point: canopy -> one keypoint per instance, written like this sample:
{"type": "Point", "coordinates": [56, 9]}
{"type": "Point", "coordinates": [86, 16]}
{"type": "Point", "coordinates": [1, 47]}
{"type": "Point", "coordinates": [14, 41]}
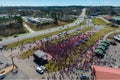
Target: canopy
{"type": "Point", "coordinates": [103, 44]}
{"type": "Point", "coordinates": [99, 51]}
{"type": "Point", "coordinates": [105, 41]}
{"type": "Point", "coordinates": [101, 47]}
{"type": "Point", "coordinates": [105, 73]}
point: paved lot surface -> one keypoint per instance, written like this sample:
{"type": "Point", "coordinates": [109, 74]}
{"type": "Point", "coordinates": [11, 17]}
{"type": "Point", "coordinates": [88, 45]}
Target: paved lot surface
{"type": "Point", "coordinates": [19, 76]}
{"type": "Point", "coordinates": [112, 57]}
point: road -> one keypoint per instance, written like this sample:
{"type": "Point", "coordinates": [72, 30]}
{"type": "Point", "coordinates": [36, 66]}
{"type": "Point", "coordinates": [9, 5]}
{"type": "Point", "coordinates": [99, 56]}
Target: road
{"type": "Point", "coordinates": [28, 28]}
{"type": "Point", "coordinates": [47, 31]}
{"type": "Point", "coordinates": [105, 37]}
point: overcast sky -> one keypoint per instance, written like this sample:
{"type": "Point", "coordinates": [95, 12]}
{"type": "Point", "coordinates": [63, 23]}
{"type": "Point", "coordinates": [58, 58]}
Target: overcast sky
{"type": "Point", "coordinates": [59, 2]}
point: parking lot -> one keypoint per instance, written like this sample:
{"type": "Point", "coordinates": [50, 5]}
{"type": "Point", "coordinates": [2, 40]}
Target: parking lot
{"type": "Point", "coordinates": [11, 76]}
{"type": "Point", "coordinates": [113, 56]}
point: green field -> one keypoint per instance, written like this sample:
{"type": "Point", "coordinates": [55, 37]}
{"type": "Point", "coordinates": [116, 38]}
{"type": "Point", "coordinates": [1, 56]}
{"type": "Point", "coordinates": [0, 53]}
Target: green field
{"type": "Point", "coordinates": [98, 21]}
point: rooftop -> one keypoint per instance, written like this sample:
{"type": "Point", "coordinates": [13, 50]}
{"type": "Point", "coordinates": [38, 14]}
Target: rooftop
{"type": "Point", "coordinates": [106, 73]}
{"type": "Point", "coordinates": [116, 18]}
{"type": "Point", "coordinates": [40, 53]}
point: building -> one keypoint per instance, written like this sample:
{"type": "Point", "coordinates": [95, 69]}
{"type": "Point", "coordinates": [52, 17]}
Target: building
{"type": "Point", "coordinates": [41, 57]}
{"type": "Point", "coordinates": [105, 73]}
{"type": "Point", "coordinates": [116, 19]}
{"type": "Point", "coordinates": [38, 20]}
{"type": "Point", "coordinates": [68, 17]}
{"type": "Point", "coordinates": [108, 17]}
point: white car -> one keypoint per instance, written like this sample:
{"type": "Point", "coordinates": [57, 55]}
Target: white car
{"type": "Point", "coordinates": [40, 69]}
{"type": "Point", "coordinates": [117, 37]}
{"type": "Point", "coordinates": [43, 67]}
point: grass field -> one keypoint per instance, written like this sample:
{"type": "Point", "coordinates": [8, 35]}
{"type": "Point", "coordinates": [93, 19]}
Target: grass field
{"type": "Point", "coordinates": [83, 23]}
{"type": "Point", "coordinates": [99, 21]}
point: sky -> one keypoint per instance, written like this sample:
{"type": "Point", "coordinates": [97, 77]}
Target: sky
{"type": "Point", "coordinates": [59, 2]}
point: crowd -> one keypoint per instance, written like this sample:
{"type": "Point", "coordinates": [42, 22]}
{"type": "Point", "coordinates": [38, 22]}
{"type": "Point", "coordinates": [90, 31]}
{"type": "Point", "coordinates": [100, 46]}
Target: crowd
{"type": "Point", "coordinates": [64, 46]}
{"type": "Point", "coordinates": [63, 49]}
{"type": "Point", "coordinates": [80, 66]}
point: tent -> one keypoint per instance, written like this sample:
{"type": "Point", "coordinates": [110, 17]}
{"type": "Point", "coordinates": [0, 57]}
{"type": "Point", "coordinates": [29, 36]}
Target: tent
{"type": "Point", "coordinates": [98, 51]}
{"type": "Point", "coordinates": [101, 47]}
{"type": "Point", "coordinates": [105, 41]}
{"type": "Point", "coordinates": [105, 73]}
{"type": "Point", "coordinates": [103, 44]}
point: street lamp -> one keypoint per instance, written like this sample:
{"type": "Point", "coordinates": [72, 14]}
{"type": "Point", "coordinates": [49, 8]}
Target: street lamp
{"type": "Point", "coordinates": [12, 61]}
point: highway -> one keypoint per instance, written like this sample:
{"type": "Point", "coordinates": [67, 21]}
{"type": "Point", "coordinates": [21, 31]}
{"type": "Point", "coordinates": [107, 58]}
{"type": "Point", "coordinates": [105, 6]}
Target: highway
{"type": "Point", "coordinates": [9, 40]}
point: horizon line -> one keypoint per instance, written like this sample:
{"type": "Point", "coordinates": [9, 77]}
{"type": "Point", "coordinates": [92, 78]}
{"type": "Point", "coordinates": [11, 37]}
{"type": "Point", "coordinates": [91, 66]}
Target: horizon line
{"type": "Point", "coordinates": [63, 6]}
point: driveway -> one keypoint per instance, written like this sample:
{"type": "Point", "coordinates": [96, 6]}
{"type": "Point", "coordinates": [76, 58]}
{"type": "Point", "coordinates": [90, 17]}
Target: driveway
{"type": "Point", "coordinates": [28, 28]}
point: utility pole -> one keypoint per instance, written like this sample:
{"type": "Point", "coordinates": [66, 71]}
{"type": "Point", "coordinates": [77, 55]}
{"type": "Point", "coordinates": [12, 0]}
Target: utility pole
{"type": "Point", "coordinates": [12, 59]}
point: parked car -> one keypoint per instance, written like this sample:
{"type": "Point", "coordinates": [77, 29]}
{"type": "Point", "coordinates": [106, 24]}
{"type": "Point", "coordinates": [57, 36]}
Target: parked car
{"type": "Point", "coordinates": [117, 38]}
{"type": "Point", "coordinates": [40, 69]}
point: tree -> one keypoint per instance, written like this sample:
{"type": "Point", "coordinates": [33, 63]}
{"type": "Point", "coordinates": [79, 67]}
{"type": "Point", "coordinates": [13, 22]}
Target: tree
{"type": "Point", "coordinates": [53, 15]}
{"type": "Point", "coordinates": [113, 13]}
{"type": "Point", "coordinates": [19, 19]}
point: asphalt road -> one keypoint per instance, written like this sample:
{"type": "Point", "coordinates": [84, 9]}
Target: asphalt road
{"type": "Point", "coordinates": [9, 40]}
